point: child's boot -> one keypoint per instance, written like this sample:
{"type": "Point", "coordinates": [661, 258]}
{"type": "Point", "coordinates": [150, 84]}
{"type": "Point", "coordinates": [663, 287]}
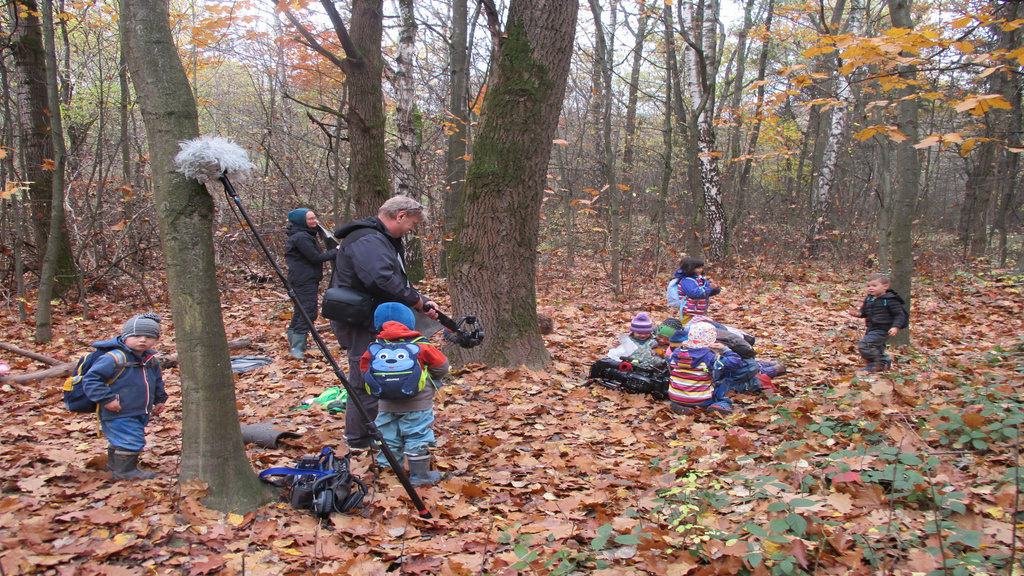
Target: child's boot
{"type": "Point", "coordinates": [420, 473]}
{"type": "Point", "coordinates": [780, 368]}
{"type": "Point", "coordinates": [296, 345]}
{"type": "Point", "coordinates": [110, 459]}
{"type": "Point", "coordinates": [126, 466]}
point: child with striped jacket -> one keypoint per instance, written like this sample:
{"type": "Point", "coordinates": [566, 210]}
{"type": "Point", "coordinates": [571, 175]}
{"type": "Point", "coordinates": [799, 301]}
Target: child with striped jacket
{"type": "Point", "coordinates": [692, 366]}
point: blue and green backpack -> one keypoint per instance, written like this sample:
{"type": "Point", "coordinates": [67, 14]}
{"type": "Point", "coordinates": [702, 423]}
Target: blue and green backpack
{"type": "Point", "coordinates": [396, 372]}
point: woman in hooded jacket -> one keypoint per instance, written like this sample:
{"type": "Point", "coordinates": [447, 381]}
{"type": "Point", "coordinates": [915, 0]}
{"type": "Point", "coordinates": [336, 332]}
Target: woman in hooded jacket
{"type": "Point", "coordinates": [305, 259]}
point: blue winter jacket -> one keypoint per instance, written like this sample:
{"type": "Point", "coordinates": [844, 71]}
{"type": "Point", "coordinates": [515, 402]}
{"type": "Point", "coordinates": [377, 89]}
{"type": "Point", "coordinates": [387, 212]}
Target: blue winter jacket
{"type": "Point", "coordinates": [139, 387]}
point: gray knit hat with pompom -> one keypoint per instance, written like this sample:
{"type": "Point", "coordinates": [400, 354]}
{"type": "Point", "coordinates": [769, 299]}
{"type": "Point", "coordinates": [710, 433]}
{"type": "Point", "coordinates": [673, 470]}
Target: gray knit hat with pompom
{"type": "Point", "coordinates": [147, 324]}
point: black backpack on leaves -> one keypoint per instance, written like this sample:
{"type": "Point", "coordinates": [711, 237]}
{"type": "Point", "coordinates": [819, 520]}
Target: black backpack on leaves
{"type": "Point", "coordinates": [321, 484]}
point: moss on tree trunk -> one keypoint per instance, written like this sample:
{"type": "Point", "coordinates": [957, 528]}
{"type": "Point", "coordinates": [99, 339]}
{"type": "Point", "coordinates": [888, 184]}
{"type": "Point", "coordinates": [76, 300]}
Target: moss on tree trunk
{"type": "Point", "coordinates": [493, 255]}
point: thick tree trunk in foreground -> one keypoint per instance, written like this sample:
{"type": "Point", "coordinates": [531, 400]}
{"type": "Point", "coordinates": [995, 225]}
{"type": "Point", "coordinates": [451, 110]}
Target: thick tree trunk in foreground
{"type": "Point", "coordinates": [212, 448]}
{"type": "Point", "coordinates": [493, 255]}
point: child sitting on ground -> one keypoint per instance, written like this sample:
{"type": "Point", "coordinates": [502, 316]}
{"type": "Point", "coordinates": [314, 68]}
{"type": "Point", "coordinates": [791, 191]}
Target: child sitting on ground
{"type": "Point", "coordinates": [663, 347]}
{"type": "Point", "coordinates": [689, 291]}
{"type": "Point", "coordinates": [406, 424]}
{"type": "Point", "coordinates": [754, 375]}
{"type": "Point", "coordinates": [127, 385]}
{"type": "Point", "coordinates": [883, 313]}
{"type": "Point", "coordinates": [692, 383]}
{"type": "Point", "coordinates": [637, 347]}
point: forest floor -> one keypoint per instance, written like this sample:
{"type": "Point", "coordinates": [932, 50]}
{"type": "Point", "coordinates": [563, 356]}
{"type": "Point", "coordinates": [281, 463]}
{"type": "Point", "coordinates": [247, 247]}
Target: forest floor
{"type": "Point", "coordinates": [906, 472]}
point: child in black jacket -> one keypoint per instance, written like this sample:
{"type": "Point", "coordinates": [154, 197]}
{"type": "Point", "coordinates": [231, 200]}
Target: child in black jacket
{"type": "Point", "coordinates": [884, 313]}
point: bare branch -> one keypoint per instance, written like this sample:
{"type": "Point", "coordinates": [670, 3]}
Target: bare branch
{"type": "Point", "coordinates": [339, 28]}
{"type": "Point", "coordinates": [311, 40]}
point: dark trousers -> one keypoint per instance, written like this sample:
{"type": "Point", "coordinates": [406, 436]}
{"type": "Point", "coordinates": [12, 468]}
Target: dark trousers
{"type": "Point", "coordinates": [356, 340]}
{"type": "Point", "coordinates": [872, 346]}
{"type": "Point", "coordinates": [308, 295]}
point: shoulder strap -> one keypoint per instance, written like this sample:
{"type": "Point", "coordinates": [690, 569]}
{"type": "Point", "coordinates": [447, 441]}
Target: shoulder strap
{"type": "Point", "coordinates": [123, 364]}
{"type": "Point", "coordinates": [357, 235]}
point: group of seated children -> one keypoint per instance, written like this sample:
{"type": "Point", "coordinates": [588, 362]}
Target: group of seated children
{"type": "Point", "coordinates": [705, 360]}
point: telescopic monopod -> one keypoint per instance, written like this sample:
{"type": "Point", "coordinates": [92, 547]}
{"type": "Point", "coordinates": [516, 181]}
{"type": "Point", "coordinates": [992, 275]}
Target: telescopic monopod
{"type": "Point", "coordinates": [208, 159]}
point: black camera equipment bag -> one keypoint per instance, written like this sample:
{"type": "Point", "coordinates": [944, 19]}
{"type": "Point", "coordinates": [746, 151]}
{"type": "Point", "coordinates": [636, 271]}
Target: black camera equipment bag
{"type": "Point", "coordinates": [348, 306]}
{"type": "Point", "coordinates": [616, 375]}
{"type": "Point", "coordinates": [321, 484]}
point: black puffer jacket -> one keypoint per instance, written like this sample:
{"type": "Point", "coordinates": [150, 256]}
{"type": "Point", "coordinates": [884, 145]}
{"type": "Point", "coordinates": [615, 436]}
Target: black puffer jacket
{"type": "Point", "coordinates": [304, 257]}
{"type": "Point", "coordinates": [372, 261]}
{"type": "Point", "coordinates": [883, 312]}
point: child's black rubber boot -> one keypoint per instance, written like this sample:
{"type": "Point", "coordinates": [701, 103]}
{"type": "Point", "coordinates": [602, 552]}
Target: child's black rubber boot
{"type": "Point", "coordinates": [126, 466]}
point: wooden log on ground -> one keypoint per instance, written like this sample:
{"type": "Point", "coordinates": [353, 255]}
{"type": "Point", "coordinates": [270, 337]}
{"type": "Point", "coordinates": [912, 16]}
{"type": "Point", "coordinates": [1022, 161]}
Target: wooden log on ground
{"type": "Point", "coordinates": [64, 369]}
{"type": "Point", "coordinates": [29, 354]}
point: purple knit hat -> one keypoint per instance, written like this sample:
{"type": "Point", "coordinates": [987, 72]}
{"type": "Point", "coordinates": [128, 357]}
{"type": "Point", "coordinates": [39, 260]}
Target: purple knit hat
{"type": "Point", "coordinates": [641, 324]}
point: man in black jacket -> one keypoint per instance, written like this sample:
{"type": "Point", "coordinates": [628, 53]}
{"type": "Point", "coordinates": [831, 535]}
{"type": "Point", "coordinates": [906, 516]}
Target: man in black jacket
{"type": "Point", "coordinates": [371, 259]}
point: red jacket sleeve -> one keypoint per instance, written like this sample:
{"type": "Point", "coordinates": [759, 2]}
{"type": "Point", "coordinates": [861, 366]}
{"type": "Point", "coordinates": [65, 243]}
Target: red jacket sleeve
{"type": "Point", "coordinates": [431, 357]}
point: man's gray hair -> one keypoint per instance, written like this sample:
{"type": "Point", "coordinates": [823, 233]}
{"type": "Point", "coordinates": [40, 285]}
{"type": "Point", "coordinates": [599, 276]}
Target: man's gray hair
{"type": "Point", "coordinates": [396, 204]}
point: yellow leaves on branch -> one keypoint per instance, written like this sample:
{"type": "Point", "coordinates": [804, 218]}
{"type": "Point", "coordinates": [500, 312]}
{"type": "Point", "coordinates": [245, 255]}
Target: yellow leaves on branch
{"type": "Point", "coordinates": [943, 139]}
{"type": "Point", "coordinates": [12, 188]}
{"type": "Point", "coordinates": [979, 104]}
{"type": "Point", "coordinates": [892, 132]}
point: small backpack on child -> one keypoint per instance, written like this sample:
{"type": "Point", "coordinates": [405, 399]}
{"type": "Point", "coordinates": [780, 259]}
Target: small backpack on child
{"type": "Point", "coordinates": [396, 372]}
{"type": "Point", "coordinates": [74, 393]}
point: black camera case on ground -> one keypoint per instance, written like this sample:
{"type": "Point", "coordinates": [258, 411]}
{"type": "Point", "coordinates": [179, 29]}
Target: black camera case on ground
{"type": "Point", "coordinates": [623, 376]}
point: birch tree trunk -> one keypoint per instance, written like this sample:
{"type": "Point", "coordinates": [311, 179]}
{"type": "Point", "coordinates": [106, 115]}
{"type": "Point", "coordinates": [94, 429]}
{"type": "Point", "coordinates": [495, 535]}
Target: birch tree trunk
{"type": "Point", "coordinates": [698, 27]}
{"type": "Point", "coordinates": [822, 191]}
{"type": "Point", "coordinates": [406, 175]}
{"type": "Point", "coordinates": [211, 445]}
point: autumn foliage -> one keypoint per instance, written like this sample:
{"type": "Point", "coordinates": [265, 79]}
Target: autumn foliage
{"type": "Point", "coordinates": [842, 473]}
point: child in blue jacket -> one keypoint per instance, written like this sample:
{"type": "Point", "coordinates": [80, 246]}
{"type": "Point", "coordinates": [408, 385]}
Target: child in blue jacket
{"type": "Point", "coordinates": [689, 290]}
{"type": "Point", "coordinates": [128, 387]}
{"type": "Point", "coordinates": [692, 368]}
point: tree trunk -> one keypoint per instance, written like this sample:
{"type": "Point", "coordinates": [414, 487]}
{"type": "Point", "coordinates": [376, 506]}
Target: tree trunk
{"type": "Point", "coordinates": [494, 250]}
{"type": "Point", "coordinates": [900, 241]}
{"type": "Point", "coordinates": [49, 268]}
{"type": "Point", "coordinates": [603, 56]}
{"type": "Point", "coordinates": [407, 153]}
{"type": "Point", "coordinates": [698, 27]}
{"type": "Point", "coordinates": [755, 133]}
{"type": "Point", "coordinates": [212, 448]}
{"type": "Point", "coordinates": [36, 144]}
{"type": "Point", "coordinates": [629, 140]}
{"type": "Point", "coordinates": [667, 135]}
{"type": "Point", "coordinates": [368, 169]}
{"type": "Point", "coordinates": [458, 130]}
{"type": "Point", "coordinates": [1009, 125]}
{"type": "Point", "coordinates": [822, 192]}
